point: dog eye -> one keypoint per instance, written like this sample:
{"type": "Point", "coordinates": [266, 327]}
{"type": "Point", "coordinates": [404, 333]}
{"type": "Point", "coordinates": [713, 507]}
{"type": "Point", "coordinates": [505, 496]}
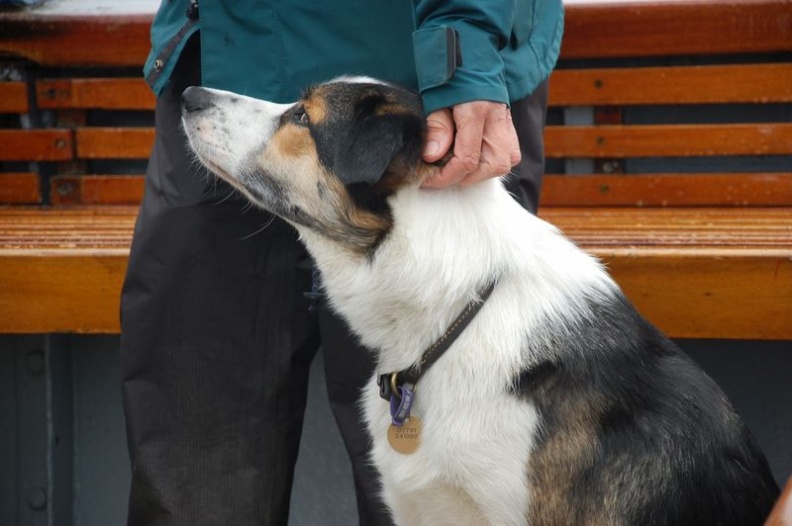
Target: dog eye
{"type": "Point", "coordinates": [300, 117]}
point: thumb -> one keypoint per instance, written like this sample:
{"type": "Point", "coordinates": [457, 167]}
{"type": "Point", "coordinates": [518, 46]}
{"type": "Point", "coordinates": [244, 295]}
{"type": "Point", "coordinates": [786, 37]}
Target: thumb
{"type": "Point", "coordinates": [439, 134]}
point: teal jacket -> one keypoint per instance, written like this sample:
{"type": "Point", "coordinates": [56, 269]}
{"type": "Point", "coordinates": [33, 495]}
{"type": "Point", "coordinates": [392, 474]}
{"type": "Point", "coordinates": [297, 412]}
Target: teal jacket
{"type": "Point", "coordinates": [453, 51]}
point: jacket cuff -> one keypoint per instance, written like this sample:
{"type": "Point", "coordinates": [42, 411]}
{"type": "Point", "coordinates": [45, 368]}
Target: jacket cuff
{"type": "Point", "coordinates": [458, 64]}
{"type": "Point", "coordinates": [437, 55]}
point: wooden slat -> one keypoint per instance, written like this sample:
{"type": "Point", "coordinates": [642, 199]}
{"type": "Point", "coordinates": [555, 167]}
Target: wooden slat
{"type": "Point", "coordinates": [688, 140]}
{"type": "Point", "coordinates": [62, 271]}
{"type": "Point", "coordinates": [560, 141]}
{"type": "Point", "coordinates": [110, 93]}
{"type": "Point", "coordinates": [737, 189]}
{"type": "Point", "coordinates": [607, 28]}
{"type": "Point", "coordinates": [35, 145]}
{"type": "Point", "coordinates": [96, 189]}
{"type": "Point", "coordinates": [85, 231]}
{"type": "Point", "coordinates": [680, 231]}
{"type": "Point", "coordinates": [635, 28]}
{"type": "Point", "coordinates": [696, 273]}
{"type": "Point", "coordinates": [20, 188]}
{"type": "Point", "coordinates": [70, 293]}
{"type": "Point", "coordinates": [696, 189]}
{"type": "Point", "coordinates": [708, 296]}
{"type": "Point", "coordinates": [750, 83]}
{"type": "Point", "coordinates": [13, 97]}
{"type": "Point", "coordinates": [114, 143]}
{"type": "Point", "coordinates": [67, 40]}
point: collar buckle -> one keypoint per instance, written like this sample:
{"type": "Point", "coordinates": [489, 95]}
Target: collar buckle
{"type": "Point", "coordinates": [389, 386]}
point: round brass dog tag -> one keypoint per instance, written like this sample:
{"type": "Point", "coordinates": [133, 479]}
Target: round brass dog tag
{"type": "Point", "coordinates": [407, 438]}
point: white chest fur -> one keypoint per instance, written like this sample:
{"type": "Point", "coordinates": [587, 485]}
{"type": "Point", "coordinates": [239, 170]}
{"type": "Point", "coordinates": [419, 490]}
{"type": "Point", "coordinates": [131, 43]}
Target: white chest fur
{"type": "Point", "coordinates": [476, 442]}
{"type": "Point", "coordinates": [471, 466]}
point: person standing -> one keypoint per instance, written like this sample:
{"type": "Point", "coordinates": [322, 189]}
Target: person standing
{"type": "Point", "coordinates": [217, 333]}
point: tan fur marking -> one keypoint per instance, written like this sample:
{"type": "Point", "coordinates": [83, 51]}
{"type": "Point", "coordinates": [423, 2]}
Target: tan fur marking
{"type": "Point", "coordinates": [321, 196]}
{"type": "Point", "coordinates": [360, 220]}
{"type": "Point", "coordinates": [556, 466]}
{"type": "Point", "coordinates": [292, 140]}
{"type": "Point", "coordinates": [424, 171]}
{"type": "Point", "coordinates": [392, 108]}
{"type": "Point", "coordinates": [316, 107]}
{"type": "Point", "coordinates": [398, 175]}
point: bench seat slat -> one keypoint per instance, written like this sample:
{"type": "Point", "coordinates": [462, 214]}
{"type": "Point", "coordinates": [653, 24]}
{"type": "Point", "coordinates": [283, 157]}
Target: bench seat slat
{"type": "Point", "coordinates": [765, 228]}
{"type": "Point", "coordinates": [71, 285]}
{"type": "Point", "coordinates": [707, 295]}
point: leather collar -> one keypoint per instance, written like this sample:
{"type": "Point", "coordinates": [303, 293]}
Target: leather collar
{"type": "Point", "coordinates": [390, 382]}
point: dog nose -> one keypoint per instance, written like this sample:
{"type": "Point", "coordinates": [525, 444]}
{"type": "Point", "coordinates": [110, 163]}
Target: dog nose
{"type": "Point", "coordinates": [195, 98]}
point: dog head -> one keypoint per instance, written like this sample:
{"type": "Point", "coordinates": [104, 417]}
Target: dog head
{"type": "Point", "coordinates": [327, 162]}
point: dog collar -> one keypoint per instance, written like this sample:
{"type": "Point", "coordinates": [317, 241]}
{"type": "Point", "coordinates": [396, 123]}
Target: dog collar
{"type": "Point", "coordinates": [392, 385]}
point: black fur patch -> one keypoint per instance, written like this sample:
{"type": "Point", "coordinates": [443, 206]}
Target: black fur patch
{"type": "Point", "coordinates": [368, 127]}
{"type": "Point", "coordinates": [666, 447]}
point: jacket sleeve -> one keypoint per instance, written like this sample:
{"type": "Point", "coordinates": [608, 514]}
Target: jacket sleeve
{"type": "Point", "coordinates": [457, 47]}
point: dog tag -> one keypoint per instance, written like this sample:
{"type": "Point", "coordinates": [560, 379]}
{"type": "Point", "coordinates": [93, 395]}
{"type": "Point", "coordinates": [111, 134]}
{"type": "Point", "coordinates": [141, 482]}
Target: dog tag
{"type": "Point", "coordinates": [407, 438]}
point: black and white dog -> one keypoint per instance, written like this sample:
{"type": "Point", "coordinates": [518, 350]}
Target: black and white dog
{"type": "Point", "coordinates": [552, 402]}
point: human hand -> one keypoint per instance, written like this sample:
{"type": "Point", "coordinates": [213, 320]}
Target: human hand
{"type": "Point", "coordinates": [484, 139]}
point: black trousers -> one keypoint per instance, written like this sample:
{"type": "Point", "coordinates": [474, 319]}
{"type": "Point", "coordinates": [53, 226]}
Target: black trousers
{"type": "Point", "coordinates": [217, 339]}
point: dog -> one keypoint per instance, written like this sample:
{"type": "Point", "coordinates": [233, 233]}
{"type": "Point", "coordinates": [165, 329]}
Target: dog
{"type": "Point", "coordinates": [549, 400]}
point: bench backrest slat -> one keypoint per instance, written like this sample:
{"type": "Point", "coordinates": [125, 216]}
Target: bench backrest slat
{"type": "Point", "coordinates": [99, 93]}
{"type": "Point", "coordinates": [88, 120]}
{"type": "Point", "coordinates": [689, 140]}
{"type": "Point", "coordinates": [13, 97]}
{"type": "Point", "coordinates": [673, 28]}
{"type": "Point", "coordinates": [747, 83]}
{"type": "Point", "coordinates": [20, 188]}
{"type": "Point", "coordinates": [96, 190]}
{"type": "Point", "coordinates": [734, 189]}
{"type": "Point", "coordinates": [36, 145]}
{"type": "Point", "coordinates": [114, 143]}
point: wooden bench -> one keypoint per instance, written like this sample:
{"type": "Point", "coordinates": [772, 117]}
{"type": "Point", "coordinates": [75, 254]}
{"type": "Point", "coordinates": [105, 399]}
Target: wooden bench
{"type": "Point", "coordinates": [703, 255]}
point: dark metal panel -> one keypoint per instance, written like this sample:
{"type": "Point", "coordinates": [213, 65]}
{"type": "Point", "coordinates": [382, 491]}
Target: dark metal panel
{"type": "Point", "coordinates": [8, 434]}
{"type": "Point", "coordinates": [60, 430]}
{"type": "Point", "coordinates": [31, 437]}
{"type": "Point", "coordinates": [101, 463]}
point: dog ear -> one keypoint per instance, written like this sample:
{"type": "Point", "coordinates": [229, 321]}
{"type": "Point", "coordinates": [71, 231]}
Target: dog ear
{"type": "Point", "coordinates": [374, 141]}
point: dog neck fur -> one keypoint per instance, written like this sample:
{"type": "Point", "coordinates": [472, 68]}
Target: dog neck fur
{"type": "Point", "coordinates": [403, 297]}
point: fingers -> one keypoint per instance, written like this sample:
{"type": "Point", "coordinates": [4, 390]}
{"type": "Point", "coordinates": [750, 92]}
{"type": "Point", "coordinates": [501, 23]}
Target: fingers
{"type": "Point", "coordinates": [439, 135]}
{"type": "Point", "coordinates": [485, 145]}
{"type": "Point", "coordinates": [500, 149]}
